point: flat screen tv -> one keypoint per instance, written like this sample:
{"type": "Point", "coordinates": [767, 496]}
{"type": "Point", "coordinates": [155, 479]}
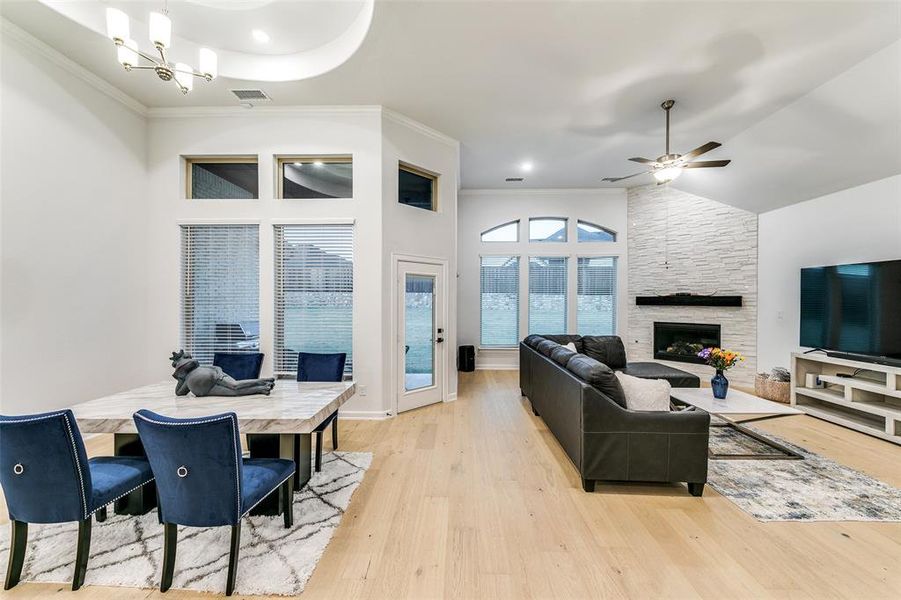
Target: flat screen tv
{"type": "Point", "coordinates": [853, 309]}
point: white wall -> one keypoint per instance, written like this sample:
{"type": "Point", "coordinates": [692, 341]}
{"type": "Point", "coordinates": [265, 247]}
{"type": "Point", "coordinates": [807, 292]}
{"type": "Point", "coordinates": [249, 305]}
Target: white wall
{"type": "Point", "coordinates": [860, 224]}
{"type": "Point", "coordinates": [74, 291]}
{"type": "Point", "coordinates": [480, 210]}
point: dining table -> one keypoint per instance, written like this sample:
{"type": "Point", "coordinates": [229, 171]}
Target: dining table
{"type": "Point", "coordinates": [278, 425]}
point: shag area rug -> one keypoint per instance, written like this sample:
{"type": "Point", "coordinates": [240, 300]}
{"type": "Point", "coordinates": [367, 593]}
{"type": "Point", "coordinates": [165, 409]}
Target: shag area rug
{"type": "Point", "coordinates": [811, 489]}
{"type": "Point", "coordinates": [127, 551]}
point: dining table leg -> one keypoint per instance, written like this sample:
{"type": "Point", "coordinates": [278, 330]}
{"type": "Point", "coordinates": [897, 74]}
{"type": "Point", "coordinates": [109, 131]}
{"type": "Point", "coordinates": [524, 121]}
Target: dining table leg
{"type": "Point", "coordinates": [273, 445]}
{"type": "Point", "coordinates": [142, 500]}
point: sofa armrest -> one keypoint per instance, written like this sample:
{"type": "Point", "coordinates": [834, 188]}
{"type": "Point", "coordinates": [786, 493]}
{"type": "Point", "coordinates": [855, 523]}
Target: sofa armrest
{"type": "Point", "coordinates": [601, 414]}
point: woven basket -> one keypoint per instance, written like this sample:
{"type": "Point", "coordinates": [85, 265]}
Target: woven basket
{"type": "Point", "coordinates": [777, 391]}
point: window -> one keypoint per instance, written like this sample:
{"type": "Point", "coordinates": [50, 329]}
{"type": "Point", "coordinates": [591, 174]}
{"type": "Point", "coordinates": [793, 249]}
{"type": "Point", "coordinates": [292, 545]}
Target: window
{"type": "Point", "coordinates": [220, 298]}
{"type": "Point", "coordinates": [499, 301]}
{"type": "Point", "coordinates": [313, 292]}
{"type": "Point", "coordinates": [315, 177]}
{"type": "Point", "coordinates": [508, 232]}
{"type": "Point", "coordinates": [547, 294]}
{"type": "Point", "coordinates": [222, 178]}
{"type": "Point", "coordinates": [417, 187]}
{"type": "Point", "coordinates": [589, 232]}
{"type": "Point", "coordinates": [596, 296]}
{"type": "Point", "coordinates": [547, 229]}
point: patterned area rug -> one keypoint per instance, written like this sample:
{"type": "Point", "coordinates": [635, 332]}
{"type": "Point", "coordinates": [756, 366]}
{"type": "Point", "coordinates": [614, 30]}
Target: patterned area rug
{"type": "Point", "coordinates": [812, 489]}
{"type": "Point", "coordinates": [127, 551]}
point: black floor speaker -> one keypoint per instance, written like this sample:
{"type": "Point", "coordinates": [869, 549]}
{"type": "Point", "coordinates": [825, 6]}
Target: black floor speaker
{"type": "Point", "coordinates": [466, 358]}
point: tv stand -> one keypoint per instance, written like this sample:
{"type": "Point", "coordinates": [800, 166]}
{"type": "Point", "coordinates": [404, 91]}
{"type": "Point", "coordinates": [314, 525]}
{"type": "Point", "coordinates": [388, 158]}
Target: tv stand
{"type": "Point", "coordinates": [866, 398]}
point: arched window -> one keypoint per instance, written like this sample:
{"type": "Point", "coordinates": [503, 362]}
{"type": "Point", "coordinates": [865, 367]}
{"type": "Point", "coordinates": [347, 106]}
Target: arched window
{"type": "Point", "coordinates": [507, 232]}
{"type": "Point", "coordinates": [589, 232]}
{"type": "Point", "coordinates": [547, 229]}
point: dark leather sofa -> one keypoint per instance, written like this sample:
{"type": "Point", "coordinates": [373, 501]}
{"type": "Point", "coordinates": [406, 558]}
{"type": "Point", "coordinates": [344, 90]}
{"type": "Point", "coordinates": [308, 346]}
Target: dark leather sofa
{"type": "Point", "coordinates": [580, 399]}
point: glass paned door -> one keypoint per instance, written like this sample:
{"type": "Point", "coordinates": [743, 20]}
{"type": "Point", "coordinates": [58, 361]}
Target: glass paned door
{"type": "Point", "coordinates": [419, 327]}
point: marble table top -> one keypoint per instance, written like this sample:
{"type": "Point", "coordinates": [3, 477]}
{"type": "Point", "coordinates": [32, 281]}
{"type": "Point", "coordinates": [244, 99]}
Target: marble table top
{"type": "Point", "coordinates": [291, 407]}
{"type": "Point", "coordinates": [736, 402]}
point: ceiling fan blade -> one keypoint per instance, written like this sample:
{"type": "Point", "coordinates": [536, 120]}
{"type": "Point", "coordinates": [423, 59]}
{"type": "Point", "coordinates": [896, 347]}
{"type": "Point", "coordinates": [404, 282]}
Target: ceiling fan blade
{"type": "Point", "coordinates": [702, 164]}
{"type": "Point", "coordinates": [613, 179]}
{"type": "Point", "coordinates": [699, 151]}
{"type": "Point", "coordinates": [645, 161]}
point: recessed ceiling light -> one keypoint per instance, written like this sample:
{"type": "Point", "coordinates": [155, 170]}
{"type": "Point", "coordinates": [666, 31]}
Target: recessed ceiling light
{"type": "Point", "coordinates": [260, 36]}
{"type": "Point", "coordinates": [526, 167]}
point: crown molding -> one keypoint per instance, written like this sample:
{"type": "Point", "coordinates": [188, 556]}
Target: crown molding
{"type": "Point", "coordinates": [193, 112]}
{"type": "Point", "coordinates": [415, 125]}
{"type": "Point", "coordinates": [520, 192]}
{"type": "Point", "coordinates": [13, 32]}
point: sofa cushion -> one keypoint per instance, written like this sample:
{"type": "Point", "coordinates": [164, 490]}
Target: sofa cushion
{"type": "Point", "coordinates": [532, 340]}
{"type": "Point", "coordinates": [545, 347]}
{"type": "Point", "coordinates": [607, 349]}
{"type": "Point", "coordinates": [645, 394]}
{"type": "Point", "coordinates": [561, 355]}
{"type": "Point", "coordinates": [566, 338]}
{"type": "Point", "coordinates": [598, 375]}
{"type": "Point", "coordinates": [651, 370]}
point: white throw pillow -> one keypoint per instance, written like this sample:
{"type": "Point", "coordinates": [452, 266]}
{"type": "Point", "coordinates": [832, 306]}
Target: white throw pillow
{"type": "Point", "coordinates": [645, 394]}
{"type": "Point", "coordinates": [571, 346]}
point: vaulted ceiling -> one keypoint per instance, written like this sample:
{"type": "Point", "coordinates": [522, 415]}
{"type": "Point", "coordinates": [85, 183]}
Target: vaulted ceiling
{"type": "Point", "coordinates": [804, 95]}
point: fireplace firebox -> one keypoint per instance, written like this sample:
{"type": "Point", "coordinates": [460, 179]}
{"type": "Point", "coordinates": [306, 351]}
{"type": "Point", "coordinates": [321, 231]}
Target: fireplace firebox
{"type": "Point", "coordinates": [682, 341]}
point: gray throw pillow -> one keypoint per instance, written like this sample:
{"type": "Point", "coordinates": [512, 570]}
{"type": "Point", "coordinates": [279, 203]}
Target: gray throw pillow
{"type": "Point", "coordinates": [599, 376]}
{"type": "Point", "coordinates": [561, 355]}
{"type": "Point", "coordinates": [607, 349]}
{"type": "Point", "coordinates": [545, 347]}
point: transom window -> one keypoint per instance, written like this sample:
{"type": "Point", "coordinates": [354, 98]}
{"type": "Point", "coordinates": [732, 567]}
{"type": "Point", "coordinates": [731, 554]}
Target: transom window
{"type": "Point", "coordinates": [315, 177]}
{"type": "Point", "coordinates": [589, 232]}
{"type": "Point", "coordinates": [417, 187]}
{"type": "Point", "coordinates": [222, 178]}
{"type": "Point", "coordinates": [508, 232]}
{"type": "Point", "coordinates": [547, 229]}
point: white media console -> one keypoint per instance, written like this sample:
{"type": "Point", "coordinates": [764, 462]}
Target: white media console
{"type": "Point", "coordinates": [868, 401]}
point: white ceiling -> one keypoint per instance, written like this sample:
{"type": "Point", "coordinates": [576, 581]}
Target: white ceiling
{"type": "Point", "coordinates": [575, 87]}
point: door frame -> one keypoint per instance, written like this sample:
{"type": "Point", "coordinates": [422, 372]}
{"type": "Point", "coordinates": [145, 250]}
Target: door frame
{"type": "Point", "coordinates": [441, 351]}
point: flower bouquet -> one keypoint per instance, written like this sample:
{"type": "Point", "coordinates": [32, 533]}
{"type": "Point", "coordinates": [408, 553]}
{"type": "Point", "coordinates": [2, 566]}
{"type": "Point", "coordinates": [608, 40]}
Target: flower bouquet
{"type": "Point", "coordinates": [721, 360]}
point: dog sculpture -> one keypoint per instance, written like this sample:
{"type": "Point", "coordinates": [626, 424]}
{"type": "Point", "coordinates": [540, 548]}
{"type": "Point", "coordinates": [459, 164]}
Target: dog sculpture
{"type": "Point", "coordinates": [212, 381]}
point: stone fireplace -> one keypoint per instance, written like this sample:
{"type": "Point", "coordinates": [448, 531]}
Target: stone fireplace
{"type": "Point", "coordinates": [681, 342]}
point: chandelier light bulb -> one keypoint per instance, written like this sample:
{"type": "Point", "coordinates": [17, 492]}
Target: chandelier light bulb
{"type": "Point", "coordinates": [184, 76]}
{"type": "Point", "coordinates": [667, 174]}
{"type": "Point", "coordinates": [116, 25]}
{"type": "Point", "coordinates": [208, 63]}
{"type": "Point", "coordinates": [127, 53]}
{"type": "Point", "coordinates": [160, 30]}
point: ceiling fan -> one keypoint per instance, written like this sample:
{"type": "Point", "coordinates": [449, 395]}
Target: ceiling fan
{"type": "Point", "coordinates": [669, 166]}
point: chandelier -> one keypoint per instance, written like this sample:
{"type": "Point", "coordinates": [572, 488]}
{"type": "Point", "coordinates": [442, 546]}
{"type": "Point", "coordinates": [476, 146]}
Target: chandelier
{"type": "Point", "coordinates": [129, 55]}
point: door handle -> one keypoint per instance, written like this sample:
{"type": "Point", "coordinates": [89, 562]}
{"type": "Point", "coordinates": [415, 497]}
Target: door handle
{"type": "Point", "coordinates": [439, 340]}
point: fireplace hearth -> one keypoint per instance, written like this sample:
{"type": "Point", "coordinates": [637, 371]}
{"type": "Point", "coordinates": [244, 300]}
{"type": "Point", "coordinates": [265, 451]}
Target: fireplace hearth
{"type": "Point", "coordinates": [681, 342]}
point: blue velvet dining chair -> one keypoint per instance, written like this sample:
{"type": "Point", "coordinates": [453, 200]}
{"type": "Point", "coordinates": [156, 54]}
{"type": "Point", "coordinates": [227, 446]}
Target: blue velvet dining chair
{"type": "Point", "coordinates": [203, 481]}
{"type": "Point", "coordinates": [240, 365]}
{"type": "Point", "coordinates": [48, 478]}
{"type": "Point", "coordinates": [321, 367]}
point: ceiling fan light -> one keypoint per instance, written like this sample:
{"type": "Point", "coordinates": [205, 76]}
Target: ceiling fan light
{"type": "Point", "coordinates": [160, 30]}
{"type": "Point", "coordinates": [127, 53]}
{"type": "Point", "coordinates": [667, 174]}
{"type": "Point", "coordinates": [184, 76]}
{"type": "Point", "coordinates": [116, 25]}
{"type": "Point", "coordinates": [208, 63]}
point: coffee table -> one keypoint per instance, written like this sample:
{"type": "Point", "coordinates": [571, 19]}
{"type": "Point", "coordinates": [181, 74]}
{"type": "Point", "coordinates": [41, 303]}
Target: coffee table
{"type": "Point", "coordinates": [737, 402]}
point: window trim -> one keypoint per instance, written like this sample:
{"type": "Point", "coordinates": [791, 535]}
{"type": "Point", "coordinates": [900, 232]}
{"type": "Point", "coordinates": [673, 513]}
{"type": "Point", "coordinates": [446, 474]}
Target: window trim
{"type": "Point", "coordinates": [519, 298]}
{"type": "Point", "coordinates": [410, 168]}
{"type": "Point", "coordinates": [550, 218]}
{"type": "Point", "coordinates": [612, 232]}
{"type": "Point", "coordinates": [189, 160]}
{"type": "Point", "coordinates": [281, 159]}
{"type": "Point", "coordinates": [516, 222]}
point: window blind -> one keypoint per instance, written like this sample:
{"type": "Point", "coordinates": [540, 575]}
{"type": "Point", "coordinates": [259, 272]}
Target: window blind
{"type": "Point", "coordinates": [313, 293]}
{"type": "Point", "coordinates": [547, 294]}
{"type": "Point", "coordinates": [596, 296]}
{"type": "Point", "coordinates": [499, 301]}
{"type": "Point", "coordinates": [220, 289]}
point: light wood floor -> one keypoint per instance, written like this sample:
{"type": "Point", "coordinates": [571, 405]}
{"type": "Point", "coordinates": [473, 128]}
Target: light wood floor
{"type": "Point", "coordinates": [475, 499]}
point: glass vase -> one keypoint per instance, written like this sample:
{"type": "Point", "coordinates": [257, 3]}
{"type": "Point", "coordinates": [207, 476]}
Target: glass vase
{"type": "Point", "coordinates": [720, 385]}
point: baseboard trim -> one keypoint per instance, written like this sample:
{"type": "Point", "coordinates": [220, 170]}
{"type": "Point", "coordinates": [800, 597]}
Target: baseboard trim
{"type": "Point", "coordinates": [364, 415]}
{"type": "Point", "coordinates": [451, 397]}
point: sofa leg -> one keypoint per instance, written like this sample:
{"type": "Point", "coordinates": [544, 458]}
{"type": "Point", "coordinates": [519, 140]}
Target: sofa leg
{"type": "Point", "coordinates": [696, 489]}
{"type": "Point", "coordinates": [588, 484]}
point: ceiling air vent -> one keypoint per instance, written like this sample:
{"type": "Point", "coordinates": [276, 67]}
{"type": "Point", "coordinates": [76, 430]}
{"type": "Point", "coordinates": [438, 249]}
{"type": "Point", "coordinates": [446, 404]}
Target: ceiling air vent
{"type": "Point", "coordinates": [513, 179]}
{"type": "Point", "coordinates": [251, 95]}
